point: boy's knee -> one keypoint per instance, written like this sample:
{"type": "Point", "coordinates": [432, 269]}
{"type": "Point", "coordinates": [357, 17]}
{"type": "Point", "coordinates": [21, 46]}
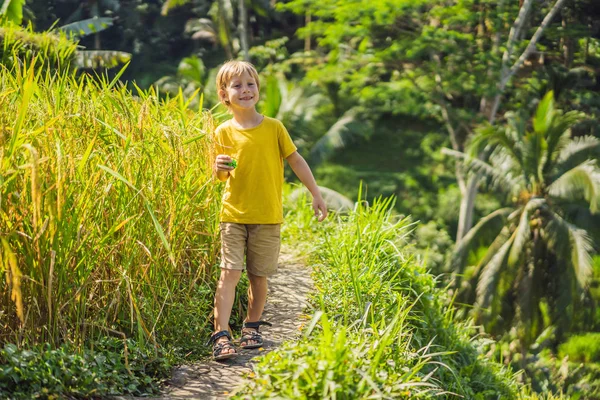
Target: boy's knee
{"type": "Point", "coordinates": [230, 275]}
{"type": "Point", "coordinates": [256, 278]}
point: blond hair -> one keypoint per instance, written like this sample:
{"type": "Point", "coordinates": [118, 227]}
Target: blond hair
{"type": "Point", "coordinates": [231, 69]}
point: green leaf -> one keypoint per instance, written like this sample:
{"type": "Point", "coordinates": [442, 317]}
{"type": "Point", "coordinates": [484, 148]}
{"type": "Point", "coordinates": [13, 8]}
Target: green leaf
{"type": "Point", "coordinates": [118, 176]}
{"type": "Point", "coordinates": [13, 10]}
{"type": "Point", "coordinates": [522, 233]}
{"type": "Point", "coordinates": [273, 96]}
{"type": "Point", "coordinates": [584, 180]}
{"type": "Point", "coordinates": [86, 27]}
{"type": "Point", "coordinates": [490, 275]}
{"type": "Point", "coordinates": [161, 232]}
{"type": "Point", "coordinates": [544, 114]}
{"type": "Point", "coordinates": [193, 69]}
{"type": "Point", "coordinates": [494, 222]}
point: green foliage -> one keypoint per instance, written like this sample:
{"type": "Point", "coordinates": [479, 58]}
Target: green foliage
{"type": "Point", "coordinates": [581, 348]}
{"type": "Point", "coordinates": [382, 329]}
{"type": "Point", "coordinates": [194, 81]}
{"type": "Point", "coordinates": [545, 171]}
{"type": "Point", "coordinates": [433, 244]}
{"type": "Point", "coordinates": [112, 367]}
{"type": "Point", "coordinates": [86, 27]}
{"type": "Point", "coordinates": [12, 11]}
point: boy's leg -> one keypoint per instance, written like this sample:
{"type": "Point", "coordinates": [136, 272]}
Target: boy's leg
{"type": "Point", "coordinates": [224, 297]}
{"type": "Point", "coordinates": [257, 297]}
{"type": "Point", "coordinates": [262, 257]}
{"type": "Point", "coordinates": [233, 242]}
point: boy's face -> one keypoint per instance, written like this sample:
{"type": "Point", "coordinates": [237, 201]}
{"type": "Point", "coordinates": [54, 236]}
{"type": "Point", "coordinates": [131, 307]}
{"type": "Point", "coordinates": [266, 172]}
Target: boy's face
{"type": "Point", "coordinates": [241, 92]}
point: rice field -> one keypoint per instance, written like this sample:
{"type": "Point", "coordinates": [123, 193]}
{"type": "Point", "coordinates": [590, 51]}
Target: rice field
{"type": "Point", "coordinates": [108, 212]}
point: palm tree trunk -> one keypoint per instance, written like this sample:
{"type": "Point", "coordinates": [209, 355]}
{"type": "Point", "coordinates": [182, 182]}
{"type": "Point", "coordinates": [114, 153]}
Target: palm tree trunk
{"type": "Point", "coordinates": [567, 44]}
{"type": "Point", "coordinates": [467, 208]}
{"type": "Point", "coordinates": [224, 33]}
{"type": "Point", "coordinates": [307, 20]}
{"type": "Point", "coordinates": [243, 26]}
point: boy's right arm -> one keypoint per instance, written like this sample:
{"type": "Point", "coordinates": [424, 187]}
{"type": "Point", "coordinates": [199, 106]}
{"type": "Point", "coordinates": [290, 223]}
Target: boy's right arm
{"type": "Point", "coordinates": [221, 168]}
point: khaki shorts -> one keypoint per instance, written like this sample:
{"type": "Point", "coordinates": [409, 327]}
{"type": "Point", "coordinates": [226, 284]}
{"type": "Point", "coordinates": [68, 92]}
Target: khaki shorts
{"type": "Point", "coordinates": [259, 243]}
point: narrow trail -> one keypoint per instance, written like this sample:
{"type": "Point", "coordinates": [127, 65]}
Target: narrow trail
{"type": "Point", "coordinates": [285, 309]}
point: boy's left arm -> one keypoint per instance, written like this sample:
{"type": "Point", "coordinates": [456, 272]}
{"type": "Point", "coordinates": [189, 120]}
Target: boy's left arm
{"type": "Point", "coordinates": [303, 172]}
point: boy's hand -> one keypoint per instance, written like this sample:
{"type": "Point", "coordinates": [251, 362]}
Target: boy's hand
{"type": "Point", "coordinates": [320, 207]}
{"type": "Point", "coordinates": [221, 163]}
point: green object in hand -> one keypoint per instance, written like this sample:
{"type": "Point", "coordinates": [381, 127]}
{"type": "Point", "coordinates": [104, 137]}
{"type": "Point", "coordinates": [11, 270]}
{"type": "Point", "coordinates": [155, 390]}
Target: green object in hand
{"type": "Point", "coordinates": [233, 163]}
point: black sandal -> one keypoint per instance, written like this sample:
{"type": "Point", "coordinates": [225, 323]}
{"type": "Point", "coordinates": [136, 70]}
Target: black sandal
{"type": "Point", "coordinates": [223, 345]}
{"type": "Point", "coordinates": [254, 335]}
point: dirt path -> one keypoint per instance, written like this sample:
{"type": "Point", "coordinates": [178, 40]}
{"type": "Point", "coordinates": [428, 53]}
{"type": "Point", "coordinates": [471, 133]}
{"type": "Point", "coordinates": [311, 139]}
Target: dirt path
{"type": "Point", "coordinates": [286, 305]}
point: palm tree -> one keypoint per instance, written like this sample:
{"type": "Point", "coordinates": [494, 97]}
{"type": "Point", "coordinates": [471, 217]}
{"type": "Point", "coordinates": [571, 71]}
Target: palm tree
{"type": "Point", "coordinates": [538, 267]}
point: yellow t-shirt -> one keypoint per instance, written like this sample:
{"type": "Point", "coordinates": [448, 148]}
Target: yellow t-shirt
{"type": "Point", "coordinates": [253, 190]}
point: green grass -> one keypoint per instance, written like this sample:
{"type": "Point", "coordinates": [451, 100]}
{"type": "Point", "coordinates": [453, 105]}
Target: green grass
{"type": "Point", "coordinates": [382, 329]}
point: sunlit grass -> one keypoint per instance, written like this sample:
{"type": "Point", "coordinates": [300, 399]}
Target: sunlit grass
{"type": "Point", "coordinates": [107, 208]}
{"type": "Point", "coordinates": [382, 330]}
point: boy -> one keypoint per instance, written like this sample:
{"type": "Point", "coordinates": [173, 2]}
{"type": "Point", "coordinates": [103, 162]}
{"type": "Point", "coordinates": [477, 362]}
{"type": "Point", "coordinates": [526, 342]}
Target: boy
{"type": "Point", "coordinates": [250, 150]}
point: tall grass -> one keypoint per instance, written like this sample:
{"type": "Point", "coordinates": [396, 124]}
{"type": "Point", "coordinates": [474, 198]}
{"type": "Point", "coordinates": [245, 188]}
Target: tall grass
{"type": "Point", "coordinates": [383, 329]}
{"type": "Point", "coordinates": [108, 215]}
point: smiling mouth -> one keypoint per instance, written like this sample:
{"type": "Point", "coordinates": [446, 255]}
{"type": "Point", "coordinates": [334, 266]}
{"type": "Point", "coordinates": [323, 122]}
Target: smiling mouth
{"type": "Point", "coordinates": [246, 98]}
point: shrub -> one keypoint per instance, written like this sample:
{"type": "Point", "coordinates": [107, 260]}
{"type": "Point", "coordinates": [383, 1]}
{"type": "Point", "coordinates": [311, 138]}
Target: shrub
{"type": "Point", "coordinates": [581, 348]}
{"type": "Point", "coordinates": [113, 367]}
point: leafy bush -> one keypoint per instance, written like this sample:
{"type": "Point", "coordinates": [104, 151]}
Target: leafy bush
{"type": "Point", "coordinates": [113, 367]}
{"type": "Point", "coordinates": [582, 348]}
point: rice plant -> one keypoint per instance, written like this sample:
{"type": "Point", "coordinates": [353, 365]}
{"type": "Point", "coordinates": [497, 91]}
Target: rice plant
{"type": "Point", "coordinates": [108, 213]}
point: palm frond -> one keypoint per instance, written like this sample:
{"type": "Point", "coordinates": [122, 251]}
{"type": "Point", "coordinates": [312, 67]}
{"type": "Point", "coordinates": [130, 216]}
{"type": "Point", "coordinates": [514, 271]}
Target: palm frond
{"type": "Point", "coordinates": [572, 245]}
{"type": "Point", "coordinates": [544, 114]}
{"type": "Point", "coordinates": [86, 27]}
{"type": "Point", "coordinates": [558, 134]}
{"type": "Point", "coordinates": [201, 29]}
{"type": "Point", "coordinates": [193, 69]}
{"type": "Point", "coordinates": [534, 156]}
{"type": "Point", "coordinates": [525, 296]}
{"type": "Point", "coordinates": [492, 222]}
{"type": "Point", "coordinates": [499, 176]}
{"type": "Point", "coordinates": [578, 150]}
{"type": "Point", "coordinates": [523, 231]}
{"type": "Point", "coordinates": [584, 180]}
{"type": "Point", "coordinates": [344, 131]}
{"type": "Point", "coordinates": [490, 275]}
{"type": "Point", "coordinates": [489, 135]}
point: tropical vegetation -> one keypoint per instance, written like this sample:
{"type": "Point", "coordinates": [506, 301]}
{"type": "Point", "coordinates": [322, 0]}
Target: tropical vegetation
{"type": "Point", "coordinates": [478, 118]}
{"type": "Point", "coordinates": [538, 267]}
